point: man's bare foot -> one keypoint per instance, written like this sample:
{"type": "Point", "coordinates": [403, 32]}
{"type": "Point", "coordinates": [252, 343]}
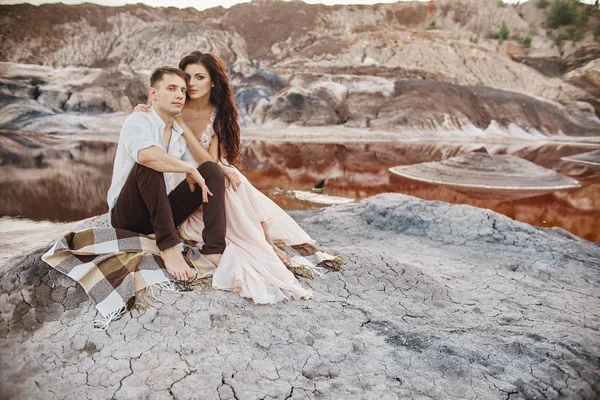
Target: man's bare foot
{"type": "Point", "coordinates": [283, 256]}
{"type": "Point", "coordinates": [213, 258]}
{"type": "Point", "coordinates": [176, 265]}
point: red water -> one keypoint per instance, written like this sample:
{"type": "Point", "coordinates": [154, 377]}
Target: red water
{"type": "Point", "coordinates": [73, 186]}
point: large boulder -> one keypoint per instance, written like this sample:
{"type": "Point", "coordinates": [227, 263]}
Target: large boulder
{"type": "Point", "coordinates": [296, 105]}
{"type": "Point", "coordinates": [434, 300]}
{"type": "Point", "coordinates": [432, 105]}
{"type": "Point", "coordinates": [587, 78]}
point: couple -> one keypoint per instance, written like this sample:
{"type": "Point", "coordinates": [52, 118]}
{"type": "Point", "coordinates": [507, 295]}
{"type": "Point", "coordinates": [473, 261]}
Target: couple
{"type": "Point", "coordinates": [174, 167]}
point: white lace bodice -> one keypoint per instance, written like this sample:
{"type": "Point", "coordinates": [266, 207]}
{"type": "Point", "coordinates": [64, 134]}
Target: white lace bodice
{"type": "Point", "coordinates": [208, 134]}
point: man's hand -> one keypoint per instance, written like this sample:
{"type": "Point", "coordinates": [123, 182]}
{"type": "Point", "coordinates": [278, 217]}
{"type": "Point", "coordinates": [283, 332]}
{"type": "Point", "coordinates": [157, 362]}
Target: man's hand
{"type": "Point", "coordinates": [231, 177]}
{"type": "Point", "coordinates": [194, 178]}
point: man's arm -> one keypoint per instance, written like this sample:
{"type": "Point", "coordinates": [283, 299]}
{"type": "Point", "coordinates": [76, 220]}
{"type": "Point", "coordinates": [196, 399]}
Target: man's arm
{"type": "Point", "coordinates": [136, 137]}
{"type": "Point", "coordinates": [159, 160]}
{"type": "Point", "coordinates": [196, 152]}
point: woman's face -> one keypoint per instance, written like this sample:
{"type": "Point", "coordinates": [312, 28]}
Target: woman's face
{"type": "Point", "coordinates": [200, 82]}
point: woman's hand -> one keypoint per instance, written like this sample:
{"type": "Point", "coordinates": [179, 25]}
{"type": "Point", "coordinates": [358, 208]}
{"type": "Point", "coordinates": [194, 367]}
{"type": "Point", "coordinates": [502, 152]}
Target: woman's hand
{"type": "Point", "coordinates": [231, 177]}
{"type": "Point", "coordinates": [141, 108]}
{"type": "Point", "coordinates": [179, 120]}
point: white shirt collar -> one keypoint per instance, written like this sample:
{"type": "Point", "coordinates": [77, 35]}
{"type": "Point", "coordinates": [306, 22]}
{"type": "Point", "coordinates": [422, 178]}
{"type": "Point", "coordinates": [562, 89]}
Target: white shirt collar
{"type": "Point", "coordinates": [161, 123]}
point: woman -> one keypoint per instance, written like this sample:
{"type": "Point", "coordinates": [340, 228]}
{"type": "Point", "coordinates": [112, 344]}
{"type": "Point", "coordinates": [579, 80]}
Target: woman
{"type": "Point", "coordinates": [251, 264]}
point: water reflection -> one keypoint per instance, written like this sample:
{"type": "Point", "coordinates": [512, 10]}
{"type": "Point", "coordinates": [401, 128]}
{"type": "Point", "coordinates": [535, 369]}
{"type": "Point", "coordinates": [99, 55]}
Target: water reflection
{"type": "Point", "coordinates": [71, 183]}
{"type": "Point", "coordinates": [551, 210]}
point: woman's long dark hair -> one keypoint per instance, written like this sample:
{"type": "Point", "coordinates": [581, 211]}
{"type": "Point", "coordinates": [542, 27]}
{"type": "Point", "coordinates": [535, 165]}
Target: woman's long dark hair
{"type": "Point", "coordinates": [226, 125]}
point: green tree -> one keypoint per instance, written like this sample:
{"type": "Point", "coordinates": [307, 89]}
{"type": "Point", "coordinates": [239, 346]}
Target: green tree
{"type": "Point", "coordinates": [544, 3]}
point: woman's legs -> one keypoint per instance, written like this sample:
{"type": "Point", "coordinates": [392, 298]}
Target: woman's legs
{"type": "Point", "coordinates": [283, 256]}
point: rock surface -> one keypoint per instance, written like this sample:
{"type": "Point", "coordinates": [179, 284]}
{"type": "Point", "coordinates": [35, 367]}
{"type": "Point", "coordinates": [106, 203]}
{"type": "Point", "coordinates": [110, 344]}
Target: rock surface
{"type": "Point", "coordinates": [435, 301]}
{"type": "Point", "coordinates": [489, 176]}
{"type": "Point", "coordinates": [57, 101]}
{"type": "Point", "coordinates": [297, 63]}
{"type": "Point", "coordinates": [29, 92]}
{"type": "Point", "coordinates": [591, 158]}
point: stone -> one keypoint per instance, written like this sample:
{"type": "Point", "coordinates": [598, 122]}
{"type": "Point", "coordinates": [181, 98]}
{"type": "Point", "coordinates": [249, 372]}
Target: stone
{"type": "Point", "coordinates": [499, 177]}
{"type": "Point", "coordinates": [413, 314]}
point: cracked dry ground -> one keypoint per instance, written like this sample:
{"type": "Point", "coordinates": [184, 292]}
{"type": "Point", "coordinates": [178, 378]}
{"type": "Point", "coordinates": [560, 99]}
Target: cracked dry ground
{"type": "Point", "coordinates": [435, 301]}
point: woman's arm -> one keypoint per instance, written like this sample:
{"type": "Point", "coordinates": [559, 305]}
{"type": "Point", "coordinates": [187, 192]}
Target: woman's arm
{"type": "Point", "coordinates": [200, 154]}
{"type": "Point", "coordinates": [213, 150]}
{"type": "Point", "coordinates": [230, 174]}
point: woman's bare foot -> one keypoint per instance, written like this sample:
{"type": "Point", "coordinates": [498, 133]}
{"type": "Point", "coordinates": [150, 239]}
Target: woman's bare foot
{"type": "Point", "coordinates": [213, 258]}
{"type": "Point", "coordinates": [283, 256]}
{"type": "Point", "coordinates": [176, 265]}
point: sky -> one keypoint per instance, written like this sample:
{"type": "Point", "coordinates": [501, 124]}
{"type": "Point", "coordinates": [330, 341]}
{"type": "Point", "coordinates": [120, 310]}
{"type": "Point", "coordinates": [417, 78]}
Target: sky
{"type": "Point", "coordinates": [203, 4]}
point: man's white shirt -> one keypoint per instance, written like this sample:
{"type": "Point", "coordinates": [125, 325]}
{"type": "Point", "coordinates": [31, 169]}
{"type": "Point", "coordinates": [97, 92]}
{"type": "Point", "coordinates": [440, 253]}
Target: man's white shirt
{"type": "Point", "coordinates": [140, 131]}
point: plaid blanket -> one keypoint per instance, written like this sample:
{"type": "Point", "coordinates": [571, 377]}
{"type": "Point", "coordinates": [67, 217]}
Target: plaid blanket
{"type": "Point", "coordinates": [119, 269]}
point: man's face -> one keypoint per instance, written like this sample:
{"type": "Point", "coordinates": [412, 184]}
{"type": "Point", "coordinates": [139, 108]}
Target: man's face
{"type": "Point", "coordinates": [169, 94]}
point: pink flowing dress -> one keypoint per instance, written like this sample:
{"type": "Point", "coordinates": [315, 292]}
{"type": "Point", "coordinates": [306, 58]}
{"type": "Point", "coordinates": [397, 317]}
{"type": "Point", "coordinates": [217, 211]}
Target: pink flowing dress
{"type": "Point", "coordinates": [249, 265]}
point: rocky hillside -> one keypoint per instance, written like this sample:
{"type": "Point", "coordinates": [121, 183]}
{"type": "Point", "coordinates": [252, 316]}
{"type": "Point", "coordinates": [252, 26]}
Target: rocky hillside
{"type": "Point", "coordinates": [436, 301]}
{"type": "Point", "coordinates": [293, 62]}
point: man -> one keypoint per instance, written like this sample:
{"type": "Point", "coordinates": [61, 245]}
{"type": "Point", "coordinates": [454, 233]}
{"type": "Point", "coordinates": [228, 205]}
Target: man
{"type": "Point", "coordinates": [151, 147]}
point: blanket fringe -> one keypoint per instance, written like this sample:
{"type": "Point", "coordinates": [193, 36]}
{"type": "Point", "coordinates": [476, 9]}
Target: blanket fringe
{"type": "Point", "coordinates": [142, 300]}
{"type": "Point", "coordinates": [102, 323]}
{"type": "Point", "coordinates": [204, 283]}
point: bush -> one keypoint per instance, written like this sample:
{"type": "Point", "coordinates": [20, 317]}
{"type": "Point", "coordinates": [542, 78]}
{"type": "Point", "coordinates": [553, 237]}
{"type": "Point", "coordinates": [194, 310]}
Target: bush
{"type": "Point", "coordinates": [526, 41]}
{"type": "Point", "coordinates": [562, 12]}
{"type": "Point", "coordinates": [501, 3]}
{"type": "Point", "coordinates": [582, 18]}
{"type": "Point", "coordinates": [474, 39]}
{"type": "Point", "coordinates": [543, 3]}
{"type": "Point", "coordinates": [532, 28]}
{"type": "Point", "coordinates": [597, 31]}
{"type": "Point", "coordinates": [578, 35]}
{"type": "Point", "coordinates": [432, 26]}
{"type": "Point", "coordinates": [562, 37]}
{"type": "Point", "coordinates": [503, 33]}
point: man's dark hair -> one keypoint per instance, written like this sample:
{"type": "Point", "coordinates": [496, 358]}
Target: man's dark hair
{"type": "Point", "coordinates": [158, 73]}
